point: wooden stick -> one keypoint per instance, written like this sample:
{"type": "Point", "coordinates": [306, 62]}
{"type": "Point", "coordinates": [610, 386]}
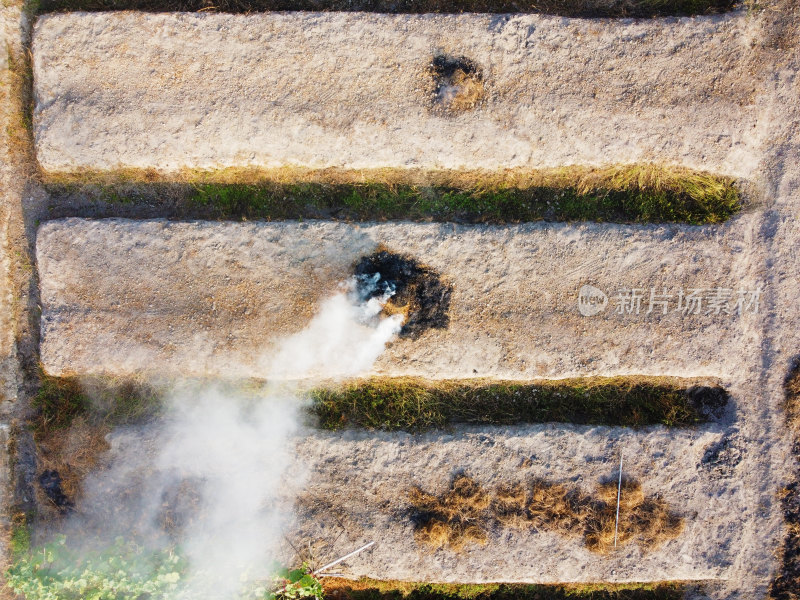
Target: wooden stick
{"type": "Point", "coordinates": [345, 557]}
{"type": "Point", "coordinates": [619, 493]}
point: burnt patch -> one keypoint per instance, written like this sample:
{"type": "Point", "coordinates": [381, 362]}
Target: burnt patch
{"type": "Point", "coordinates": [417, 291]}
{"type": "Point", "coordinates": [458, 83]}
{"type": "Point", "coordinates": [722, 457]}
{"type": "Point", "coordinates": [50, 482]}
{"type": "Point", "coordinates": [709, 401]}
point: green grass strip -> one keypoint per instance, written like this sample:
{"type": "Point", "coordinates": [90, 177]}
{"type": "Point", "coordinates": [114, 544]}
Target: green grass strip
{"type": "Point", "coordinates": [415, 404]}
{"type": "Point", "coordinates": [621, 194]}
{"type": "Point", "coordinates": [567, 8]}
{"type": "Point", "coordinates": [633, 194]}
{"type": "Point", "coordinates": [370, 589]}
{"type": "Point", "coordinates": [106, 401]}
{"type": "Point", "coordinates": [380, 202]}
{"type": "Point", "coordinates": [412, 404]}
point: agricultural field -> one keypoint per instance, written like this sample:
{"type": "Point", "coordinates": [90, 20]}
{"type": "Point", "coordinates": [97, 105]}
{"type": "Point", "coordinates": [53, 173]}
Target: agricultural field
{"type": "Point", "coordinates": [385, 300]}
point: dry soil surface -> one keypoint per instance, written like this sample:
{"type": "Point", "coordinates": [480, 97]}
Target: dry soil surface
{"type": "Point", "coordinates": [356, 486]}
{"type": "Point", "coordinates": [718, 93]}
{"type": "Point", "coordinates": [123, 297]}
{"type": "Point", "coordinates": [7, 197]}
{"type": "Point", "coordinates": [353, 90]}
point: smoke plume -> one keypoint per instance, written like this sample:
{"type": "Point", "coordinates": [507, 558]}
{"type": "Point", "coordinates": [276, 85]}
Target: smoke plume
{"type": "Point", "coordinates": [211, 474]}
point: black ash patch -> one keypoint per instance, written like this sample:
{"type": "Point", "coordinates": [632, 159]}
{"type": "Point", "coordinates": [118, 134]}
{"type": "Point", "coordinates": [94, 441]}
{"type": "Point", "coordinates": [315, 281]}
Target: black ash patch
{"type": "Point", "coordinates": [722, 457]}
{"type": "Point", "coordinates": [458, 83]}
{"type": "Point", "coordinates": [50, 482]}
{"type": "Point", "coordinates": [417, 291]}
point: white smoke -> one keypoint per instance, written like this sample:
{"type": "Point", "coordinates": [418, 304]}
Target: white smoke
{"type": "Point", "coordinates": [235, 449]}
{"type": "Point", "coordinates": [239, 451]}
{"type": "Point", "coordinates": [343, 340]}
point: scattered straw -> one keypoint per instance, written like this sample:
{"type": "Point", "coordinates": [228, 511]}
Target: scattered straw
{"type": "Point", "coordinates": [646, 520]}
{"type": "Point", "coordinates": [454, 518]}
{"type": "Point", "coordinates": [467, 513]}
{"type": "Point", "coordinates": [71, 451]}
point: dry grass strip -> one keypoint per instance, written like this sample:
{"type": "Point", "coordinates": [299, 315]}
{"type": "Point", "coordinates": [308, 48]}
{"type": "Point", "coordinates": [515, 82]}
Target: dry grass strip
{"type": "Point", "coordinates": [786, 585]}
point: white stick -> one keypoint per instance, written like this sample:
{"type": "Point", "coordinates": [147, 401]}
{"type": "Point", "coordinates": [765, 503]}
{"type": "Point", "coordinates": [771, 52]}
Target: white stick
{"type": "Point", "coordinates": [619, 493]}
{"type": "Point", "coordinates": [345, 557]}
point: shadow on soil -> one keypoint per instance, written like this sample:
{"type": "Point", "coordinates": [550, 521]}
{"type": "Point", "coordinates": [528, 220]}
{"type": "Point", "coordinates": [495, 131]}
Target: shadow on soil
{"type": "Point", "coordinates": [566, 8]}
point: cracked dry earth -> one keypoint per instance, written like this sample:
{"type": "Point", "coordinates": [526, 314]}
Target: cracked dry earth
{"type": "Point", "coordinates": [203, 91]}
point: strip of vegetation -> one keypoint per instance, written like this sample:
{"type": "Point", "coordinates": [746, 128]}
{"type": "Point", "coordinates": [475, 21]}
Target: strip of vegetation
{"type": "Point", "coordinates": [622, 194]}
{"type": "Point", "coordinates": [102, 400]}
{"type": "Point", "coordinates": [567, 8]}
{"type": "Point", "coordinates": [786, 585]}
{"type": "Point", "coordinates": [413, 404]}
{"type": "Point", "coordinates": [371, 589]}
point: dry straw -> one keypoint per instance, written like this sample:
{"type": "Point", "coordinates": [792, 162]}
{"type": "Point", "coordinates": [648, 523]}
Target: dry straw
{"type": "Point", "coordinates": [467, 513]}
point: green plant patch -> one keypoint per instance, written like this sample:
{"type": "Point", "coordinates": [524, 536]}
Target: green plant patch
{"type": "Point", "coordinates": [20, 539]}
{"type": "Point", "coordinates": [58, 572]}
{"type": "Point", "coordinates": [414, 405]}
{"type": "Point", "coordinates": [126, 570]}
{"type": "Point", "coordinates": [568, 8]}
{"type": "Point", "coordinates": [370, 589]}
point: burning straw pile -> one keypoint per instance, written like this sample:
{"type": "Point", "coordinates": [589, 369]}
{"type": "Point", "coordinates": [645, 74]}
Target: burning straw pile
{"type": "Point", "coordinates": [414, 290]}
